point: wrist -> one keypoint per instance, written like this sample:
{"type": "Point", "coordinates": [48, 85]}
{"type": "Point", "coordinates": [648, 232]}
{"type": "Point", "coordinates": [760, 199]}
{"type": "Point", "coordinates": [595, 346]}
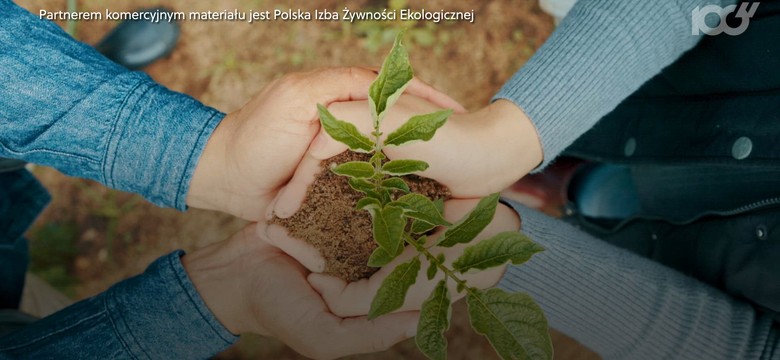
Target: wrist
{"type": "Point", "coordinates": [216, 271]}
{"type": "Point", "coordinates": [497, 144]}
{"type": "Point", "coordinates": [207, 188]}
{"type": "Point", "coordinates": [517, 134]}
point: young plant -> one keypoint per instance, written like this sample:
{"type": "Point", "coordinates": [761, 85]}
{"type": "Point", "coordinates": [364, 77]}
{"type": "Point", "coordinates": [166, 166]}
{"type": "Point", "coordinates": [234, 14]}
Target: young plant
{"type": "Point", "coordinates": [512, 322]}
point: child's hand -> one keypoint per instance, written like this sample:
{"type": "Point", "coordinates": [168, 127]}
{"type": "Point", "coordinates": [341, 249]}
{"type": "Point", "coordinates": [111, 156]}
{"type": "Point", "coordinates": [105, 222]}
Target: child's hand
{"type": "Point", "coordinates": [474, 154]}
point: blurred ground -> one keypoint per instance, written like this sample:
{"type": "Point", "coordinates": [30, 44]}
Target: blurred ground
{"type": "Point", "coordinates": [91, 237]}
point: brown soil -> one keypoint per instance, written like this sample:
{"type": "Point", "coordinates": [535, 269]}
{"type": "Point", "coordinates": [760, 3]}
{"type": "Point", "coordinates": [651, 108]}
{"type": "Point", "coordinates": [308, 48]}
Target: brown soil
{"type": "Point", "coordinates": [329, 221]}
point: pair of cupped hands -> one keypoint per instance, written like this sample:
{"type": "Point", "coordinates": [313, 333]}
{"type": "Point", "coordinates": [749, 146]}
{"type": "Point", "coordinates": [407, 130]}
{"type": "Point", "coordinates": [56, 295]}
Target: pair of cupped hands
{"type": "Point", "coordinates": [261, 159]}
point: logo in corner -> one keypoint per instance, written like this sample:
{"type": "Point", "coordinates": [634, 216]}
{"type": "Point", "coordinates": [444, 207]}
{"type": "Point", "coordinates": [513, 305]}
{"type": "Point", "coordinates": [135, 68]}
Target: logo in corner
{"type": "Point", "coordinates": [745, 12]}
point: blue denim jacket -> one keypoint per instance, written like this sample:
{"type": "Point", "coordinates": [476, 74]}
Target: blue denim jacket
{"type": "Point", "coordinates": [64, 105]}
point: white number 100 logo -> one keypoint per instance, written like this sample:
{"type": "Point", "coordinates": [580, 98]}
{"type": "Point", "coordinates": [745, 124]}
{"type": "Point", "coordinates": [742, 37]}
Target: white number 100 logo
{"type": "Point", "coordinates": [745, 12]}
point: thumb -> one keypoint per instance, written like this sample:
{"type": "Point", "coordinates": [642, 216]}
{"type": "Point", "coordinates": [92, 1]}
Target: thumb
{"type": "Point", "coordinates": [330, 85]}
{"type": "Point", "coordinates": [306, 254]}
{"type": "Point", "coordinates": [423, 90]}
{"type": "Point", "coordinates": [343, 300]}
{"type": "Point", "coordinates": [380, 334]}
{"type": "Point", "coordinates": [324, 147]}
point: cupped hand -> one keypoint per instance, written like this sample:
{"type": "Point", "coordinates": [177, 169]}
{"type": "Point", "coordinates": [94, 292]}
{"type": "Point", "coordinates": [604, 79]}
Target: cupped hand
{"type": "Point", "coordinates": [474, 154]}
{"type": "Point", "coordinates": [253, 287]}
{"type": "Point", "coordinates": [354, 299]}
{"type": "Point", "coordinates": [255, 150]}
{"type": "Point", "coordinates": [467, 155]}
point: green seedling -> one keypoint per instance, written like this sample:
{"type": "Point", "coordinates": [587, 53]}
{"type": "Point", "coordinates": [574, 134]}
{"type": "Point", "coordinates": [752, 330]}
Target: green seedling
{"type": "Point", "coordinates": [513, 323]}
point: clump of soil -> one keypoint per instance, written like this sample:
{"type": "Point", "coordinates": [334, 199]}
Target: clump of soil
{"type": "Point", "coordinates": [329, 221]}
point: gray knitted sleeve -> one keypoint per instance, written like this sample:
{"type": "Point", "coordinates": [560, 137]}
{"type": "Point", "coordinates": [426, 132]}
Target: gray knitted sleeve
{"type": "Point", "coordinates": [603, 51]}
{"type": "Point", "coordinates": [624, 306]}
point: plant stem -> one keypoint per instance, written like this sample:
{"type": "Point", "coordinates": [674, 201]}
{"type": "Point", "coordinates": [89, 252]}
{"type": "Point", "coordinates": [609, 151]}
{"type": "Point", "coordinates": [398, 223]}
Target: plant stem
{"type": "Point", "coordinates": [377, 162]}
{"type": "Point", "coordinates": [421, 249]}
{"type": "Point", "coordinates": [447, 271]}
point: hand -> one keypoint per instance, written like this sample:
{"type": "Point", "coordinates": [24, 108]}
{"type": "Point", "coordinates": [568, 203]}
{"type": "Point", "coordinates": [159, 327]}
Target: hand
{"type": "Point", "coordinates": [474, 154]}
{"type": "Point", "coordinates": [252, 287]}
{"type": "Point", "coordinates": [254, 151]}
{"type": "Point", "coordinates": [354, 299]}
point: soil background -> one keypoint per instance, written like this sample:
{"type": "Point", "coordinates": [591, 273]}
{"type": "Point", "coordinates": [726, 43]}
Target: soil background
{"type": "Point", "coordinates": [329, 221]}
{"type": "Point", "coordinates": [91, 237]}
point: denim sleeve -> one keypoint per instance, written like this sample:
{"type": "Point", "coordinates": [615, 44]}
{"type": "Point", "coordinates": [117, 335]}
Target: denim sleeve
{"type": "Point", "coordinates": [64, 105]}
{"type": "Point", "coordinates": [22, 198]}
{"type": "Point", "coordinates": [155, 315]}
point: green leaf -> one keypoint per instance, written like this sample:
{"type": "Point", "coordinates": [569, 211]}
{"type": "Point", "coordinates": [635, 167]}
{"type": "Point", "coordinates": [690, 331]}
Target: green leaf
{"type": "Point", "coordinates": [433, 269]}
{"type": "Point", "coordinates": [439, 205]}
{"type": "Point", "coordinates": [422, 240]}
{"type": "Point", "coordinates": [394, 77]}
{"type": "Point", "coordinates": [355, 169]}
{"type": "Point", "coordinates": [472, 224]}
{"type": "Point", "coordinates": [361, 185]}
{"type": "Point", "coordinates": [418, 128]}
{"type": "Point", "coordinates": [378, 156]}
{"type": "Point", "coordinates": [344, 132]}
{"type": "Point", "coordinates": [513, 323]}
{"type": "Point", "coordinates": [421, 208]}
{"type": "Point", "coordinates": [434, 320]}
{"type": "Point", "coordinates": [389, 226]}
{"type": "Point", "coordinates": [365, 187]}
{"type": "Point", "coordinates": [380, 257]}
{"type": "Point", "coordinates": [506, 246]}
{"type": "Point", "coordinates": [403, 167]}
{"type": "Point", "coordinates": [396, 183]}
{"type": "Point", "coordinates": [368, 203]}
{"type": "Point", "coordinates": [391, 294]}
{"type": "Point", "coordinates": [421, 227]}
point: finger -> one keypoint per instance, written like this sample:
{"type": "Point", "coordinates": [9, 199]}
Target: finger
{"type": "Point", "coordinates": [306, 254]}
{"type": "Point", "coordinates": [324, 146]}
{"type": "Point", "coordinates": [344, 300]}
{"type": "Point", "coordinates": [291, 197]}
{"type": "Point", "coordinates": [361, 335]}
{"type": "Point", "coordinates": [424, 90]}
{"type": "Point", "coordinates": [330, 85]}
{"type": "Point", "coordinates": [421, 89]}
{"type": "Point", "coordinates": [269, 210]}
{"type": "Point", "coordinates": [354, 299]}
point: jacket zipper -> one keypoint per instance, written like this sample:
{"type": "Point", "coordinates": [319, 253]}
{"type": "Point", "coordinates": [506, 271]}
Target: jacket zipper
{"type": "Point", "coordinates": [749, 207]}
